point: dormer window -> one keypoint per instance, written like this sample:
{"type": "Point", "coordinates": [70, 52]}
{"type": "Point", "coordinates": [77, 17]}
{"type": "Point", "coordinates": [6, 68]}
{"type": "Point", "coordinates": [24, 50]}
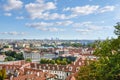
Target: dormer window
{"type": "Point", "coordinates": [57, 68]}
{"type": "Point", "coordinates": [70, 68]}
{"type": "Point", "coordinates": [53, 68]}
{"type": "Point", "coordinates": [7, 67]}
{"type": "Point", "coordinates": [0, 67]}
{"type": "Point", "coordinates": [13, 67]}
{"type": "Point", "coordinates": [44, 67]}
{"type": "Point", "coordinates": [79, 63]}
{"type": "Point", "coordinates": [63, 69]}
{"type": "Point", "coordinates": [31, 72]}
{"type": "Point", "coordinates": [46, 64]}
{"type": "Point", "coordinates": [48, 67]}
{"type": "Point", "coordinates": [77, 69]}
{"type": "Point", "coordinates": [28, 72]}
{"type": "Point", "coordinates": [10, 67]}
{"type": "Point", "coordinates": [40, 67]}
{"type": "Point", "coordinates": [82, 61]}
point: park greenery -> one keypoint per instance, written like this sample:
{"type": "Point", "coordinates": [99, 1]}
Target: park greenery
{"type": "Point", "coordinates": [28, 60]}
{"type": "Point", "coordinates": [107, 67]}
{"type": "Point", "coordinates": [59, 60]}
{"type": "Point", "coordinates": [65, 44]}
{"type": "Point", "coordinates": [48, 45]}
{"type": "Point", "coordinates": [6, 46]}
{"type": "Point", "coordinates": [68, 44]}
{"type": "Point", "coordinates": [13, 56]}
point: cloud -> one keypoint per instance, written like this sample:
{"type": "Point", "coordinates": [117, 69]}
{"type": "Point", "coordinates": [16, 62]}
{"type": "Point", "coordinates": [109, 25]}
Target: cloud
{"type": "Point", "coordinates": [82, 24]}
{"type": "Point", "coordinates": [7, 14]}
{"type": "Point", "coordinates": [53, 16]}
{"type": "Point", "coordinates": [38, 24]}
{"type": "Point", "coordinates": [42, 10]}
{"type": "Point", "coordinates": [40, 1]}
{"type": "Point", "coordinates": [50, 29]}
{"type": "Point", "coordinates": [66, 9]}
{"type": "Point", "coordinates": [47, 16]}
{"type": "Point", "coordinates": [82, 31]}
{"type": "Point", "coordinates": [89, 9]}
{"type": "Point", "coordinates": [83, 10]}
{"type": "Point", "coordinates": [90, 27]}
{"type": "Point", "coordinates": [106, 9]}
{"type": "Point", "coordinates": [55, 29]}
{"type": "Point", "coordinates": [63, 23]}
{"type": "Point", "coordinates": [83, 27]}
{"type": "Point", "coordinates": [39, 8]}
{"type": "Point", "coordinates": [13, 5]}
{"type": "Point", "coordinates": [13, 33]}
{"type": "Point", "coordinates": [19, 17]}
{"type": "Point", "coordinates": [49, 24]}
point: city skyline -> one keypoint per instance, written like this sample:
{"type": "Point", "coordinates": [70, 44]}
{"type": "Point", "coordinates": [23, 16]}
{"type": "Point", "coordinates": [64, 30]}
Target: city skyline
{"type": "Point", "coordinates": [63, 19]}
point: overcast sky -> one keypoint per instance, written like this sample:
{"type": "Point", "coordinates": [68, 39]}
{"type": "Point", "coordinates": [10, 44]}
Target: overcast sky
{"type": "Point", "coordinates": [64, 19]}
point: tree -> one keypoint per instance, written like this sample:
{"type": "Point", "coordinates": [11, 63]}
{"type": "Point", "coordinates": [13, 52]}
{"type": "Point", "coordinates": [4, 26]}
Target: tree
{"type": "Point", "coordinates": [19, 56]}
{"type": "Point", "coordinates": [107, 67]}
{"type": "Point", "coordinates": [52, 62]}
{"type": "Point", "coordinates": [117, 29]}
{"type": "Point", "coordinates": [2, 74]}
{"type": "Point", "coordinates": [13, 54]}
{"type": "Point", "coordinates": [28, 60]}
{"type": "Point", "coordinates": [76, 45]}
{"type": "Point", "coordinates": [6, 46]}
{"type": "Point", "coordinates": [9, 58]}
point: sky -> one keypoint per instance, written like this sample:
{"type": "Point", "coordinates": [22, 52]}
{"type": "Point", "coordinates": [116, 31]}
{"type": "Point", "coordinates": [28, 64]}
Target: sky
{"type": "Point", "coordinates": [63, 19]}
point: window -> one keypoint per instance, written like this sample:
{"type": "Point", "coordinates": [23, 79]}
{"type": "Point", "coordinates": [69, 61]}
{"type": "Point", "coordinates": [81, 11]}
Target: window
{"type": "Point", "coordinates": [77, 69]}
{"type": "Point", "coordinates": [70, 68]}
{"type": "Point", "coordinates": [40, 67]}
{"type": "Point", "coordinates": [79, 63]}
{"type": "Point", "coordinates": [0, 67]}
{"type": "Point", "coordinates": [53, 68]}
{"type": "Point", "coordinates": [63, 69]}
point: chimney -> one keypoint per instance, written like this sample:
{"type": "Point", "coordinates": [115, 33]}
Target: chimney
{"type": "Point", "coordinates": [74, 62]}
{"type": "Point", "coordinates": [38, 74]}
{"type": "Point", "coordinates": [11, 77]}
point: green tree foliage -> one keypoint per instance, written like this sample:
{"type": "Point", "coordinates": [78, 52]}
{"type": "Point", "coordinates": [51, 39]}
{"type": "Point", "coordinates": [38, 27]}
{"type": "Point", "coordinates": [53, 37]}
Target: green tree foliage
{"type": "Point", "coordinates": [19, 56]}
{"type": "Point", "coordinates": [9, 58]}
{"type": "Point", "coordinates": [48, 45]}
{"type": "Point", "coordinates": [107, 67]}
{"type": "Point", "coordinates": [92, 44]}
{"type": "Point", "coordinates": [86, 73]}
{"type": "Point", "coordinates": [28, 60]}
{"type": "Point", "coordinates": [59, 61]}
{"type": "Point", "coordinates": [76, 45]}
{"type": "Point", "coordinates": [67, 44]}
{"type": "Point", "coordinates": [14, 55]}
{"type": "Point", "coordinates": [47, 61]}
{"type": "Point", "coordinates": [117, 29]}
{"type": "Point", "coordinates": [2, 74]}
{"type": "Point", "coordinates": [6, 46]}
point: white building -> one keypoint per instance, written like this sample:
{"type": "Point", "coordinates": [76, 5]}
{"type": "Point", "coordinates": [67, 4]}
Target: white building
{"type": "Point", "coordinates": [2, 58]}
{"type": "Point", "coordinates": [35, 56]}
